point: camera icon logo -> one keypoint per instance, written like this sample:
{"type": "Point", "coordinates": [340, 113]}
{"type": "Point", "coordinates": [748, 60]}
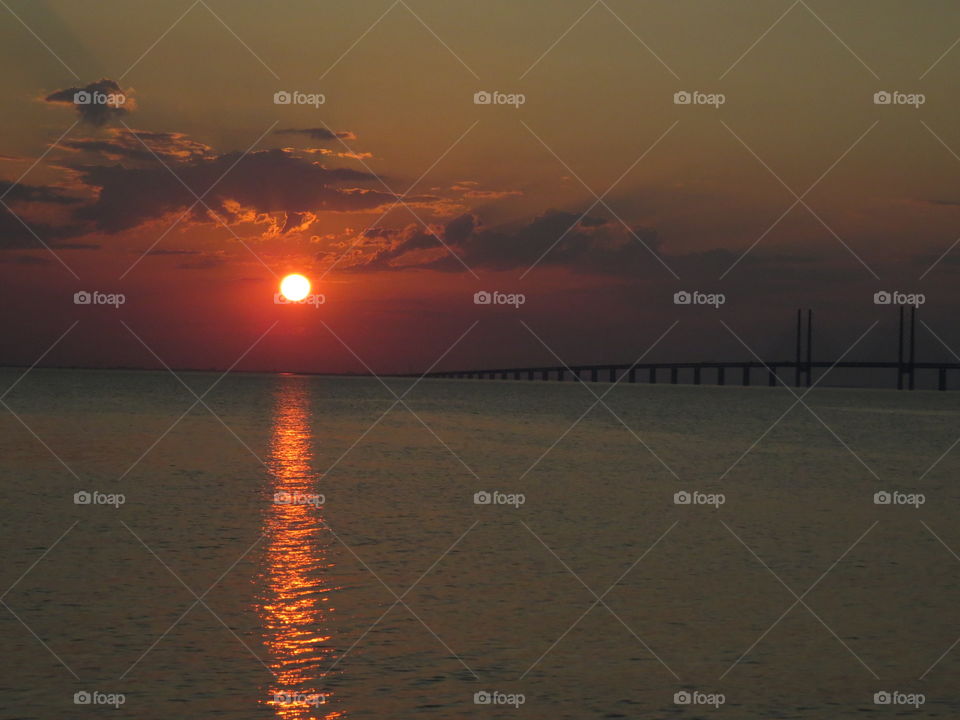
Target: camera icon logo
{"type": "Point", "coordinates": [682, 298]}
{"type": "Point", "coordinates": [882, 97]}
{"type": "Point", "coordinates": [82, 97]}
{"type": "Point", "coordinates": [482, 297]}
{"type": "Point", "coordinates": [882, 698]}
{"type": "Point", "coordinates": [282, 498]}
{"type": "Point", "coordinates": [482, 697]}
{"type": "Point", "coordinates": [82, 498]}
{"type": "Point", "coordinates": [282, 97]}
{"type": "Point", "coordinates": [682, 98]}
{"type": "Point", "coordinates": [482, 97]}
{"type": "Point", "coordinates": [482, 498]}
{"type": "Point", "coordinates": [82, 298]}
{"type": "Point", "coordinates": [682, 498]}
{"type": "Point", "coordinates": [82, 698]}
{"type": "Point", "coordinates": [882, 298]}
{"type": "Point", "coordinates": [882, 498]}
{"type": "Point", "coordinates": [682, 698]}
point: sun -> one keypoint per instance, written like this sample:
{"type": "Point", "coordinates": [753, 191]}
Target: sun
{"type": "Point", "coordinates": [295, 287]}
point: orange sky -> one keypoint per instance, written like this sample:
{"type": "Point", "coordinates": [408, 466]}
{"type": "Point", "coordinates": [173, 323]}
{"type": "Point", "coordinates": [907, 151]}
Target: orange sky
{"type": "Point", "coordinates": [400, 197]}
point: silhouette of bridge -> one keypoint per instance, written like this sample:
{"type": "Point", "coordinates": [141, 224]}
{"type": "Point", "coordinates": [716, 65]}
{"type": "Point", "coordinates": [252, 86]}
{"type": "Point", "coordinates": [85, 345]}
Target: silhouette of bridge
{"type": "Point", "coordinates": [700, 373]}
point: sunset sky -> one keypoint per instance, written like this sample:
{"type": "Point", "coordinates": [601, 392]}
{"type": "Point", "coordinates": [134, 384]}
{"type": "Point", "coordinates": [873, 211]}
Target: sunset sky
{"type": "Point", "coordinates": [494, 197]}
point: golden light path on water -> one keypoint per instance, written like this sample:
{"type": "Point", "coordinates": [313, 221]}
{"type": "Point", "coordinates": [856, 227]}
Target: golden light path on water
{"type": "Point", "coordinates": [295, 605]}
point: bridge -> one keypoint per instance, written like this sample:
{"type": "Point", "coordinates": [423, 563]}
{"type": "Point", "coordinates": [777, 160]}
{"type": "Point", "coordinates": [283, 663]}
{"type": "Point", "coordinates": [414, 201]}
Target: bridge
{"type": "Point", "coordinates": [701, 373]}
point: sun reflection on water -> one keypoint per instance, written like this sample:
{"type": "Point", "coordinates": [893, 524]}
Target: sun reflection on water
{"type": "Point", "coordinates": [296, 598]}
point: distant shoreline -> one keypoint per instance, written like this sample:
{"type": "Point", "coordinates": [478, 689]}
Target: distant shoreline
{"type": "Point", "coordinates": [432, 376]}
{"type": "Point", "coordinates": [187, 370]}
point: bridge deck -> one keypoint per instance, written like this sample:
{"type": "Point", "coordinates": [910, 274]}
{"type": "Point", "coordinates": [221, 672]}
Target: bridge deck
{"type": "Point", "coordinates": [803, 371]}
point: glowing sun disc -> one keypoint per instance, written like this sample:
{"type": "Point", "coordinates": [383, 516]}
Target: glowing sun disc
{"type": "Point", "coordinates": [295, 287]}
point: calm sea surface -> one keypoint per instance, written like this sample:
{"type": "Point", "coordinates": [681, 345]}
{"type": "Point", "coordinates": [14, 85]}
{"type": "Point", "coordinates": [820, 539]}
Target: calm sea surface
{"type": "Point", "coordinates": [309, 547]}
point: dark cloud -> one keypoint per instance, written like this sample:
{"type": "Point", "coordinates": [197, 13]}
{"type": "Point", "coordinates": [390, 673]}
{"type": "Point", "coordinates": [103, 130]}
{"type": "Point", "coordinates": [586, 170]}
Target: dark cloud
{"type": "Point", "coordinates": [11, 193]}
{"type": "Point", "coordinates": [593, 222]}
{"type": "Point", "coordinates": [459, 230]}
{"type": "Point", "coordinates": [582, 244]}
{"type": "Point", "coordinates": [121, 144]}
{"type": "Point", "coordinates": [321, 134]}
{"type": "Point", "coordinates": [97, 103]}
{"type": "Point", "coordinates": [19, 233]}
{"type": "Point", "coordinates": [208, 262]}
{"type": "Point", "coordinates": [471, 189]}
{"type": "Point", "coordinates": [942, 202]}
{"type": "Point", "coordinates": [268, 181]}
{"type": "Point", "coordinates": [587, 245]}
{"type": "Point", "coordinates": [161, 251]}
{"type": "Point", "coordinates": [381, 232]}
{"type": "Point", "coordinates": [76, 246]}
{"type": "Point", "coordinates": [26, 260]}
{"type": "Point", "coordinates": [148, 179]}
